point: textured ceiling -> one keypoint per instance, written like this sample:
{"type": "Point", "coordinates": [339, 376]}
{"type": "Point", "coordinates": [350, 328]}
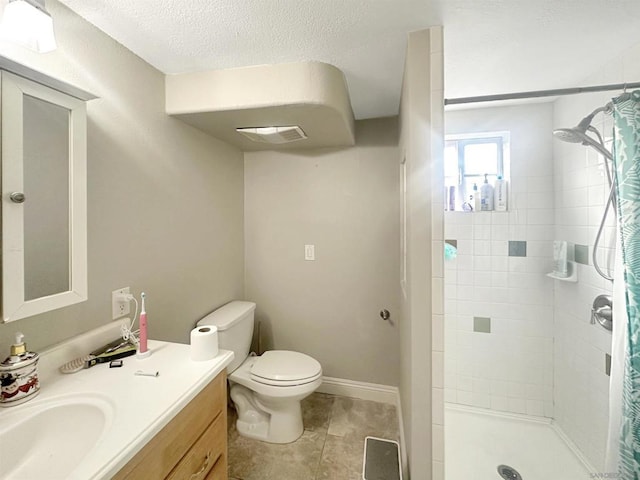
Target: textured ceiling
{"type": "Point", "coordinates": [491, 46]}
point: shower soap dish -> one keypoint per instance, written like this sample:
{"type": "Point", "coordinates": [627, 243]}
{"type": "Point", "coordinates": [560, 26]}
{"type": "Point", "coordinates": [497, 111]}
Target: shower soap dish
{"type": "Point", "coordinates": [572, 273]}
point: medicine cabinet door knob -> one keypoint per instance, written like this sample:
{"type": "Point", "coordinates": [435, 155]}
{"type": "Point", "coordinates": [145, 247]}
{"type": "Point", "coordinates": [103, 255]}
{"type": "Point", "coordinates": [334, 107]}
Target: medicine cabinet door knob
{"type": "Point", "coordinates": [17, 197]}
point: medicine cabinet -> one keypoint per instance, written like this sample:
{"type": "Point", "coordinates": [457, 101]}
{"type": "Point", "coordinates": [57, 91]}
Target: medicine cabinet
{"type": "Point", "coordinates": [44, 198]}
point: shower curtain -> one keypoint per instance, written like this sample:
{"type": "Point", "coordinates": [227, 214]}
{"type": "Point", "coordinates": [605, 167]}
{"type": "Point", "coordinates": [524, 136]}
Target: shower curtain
{"type": "Point", "coordinates": [627, 180]}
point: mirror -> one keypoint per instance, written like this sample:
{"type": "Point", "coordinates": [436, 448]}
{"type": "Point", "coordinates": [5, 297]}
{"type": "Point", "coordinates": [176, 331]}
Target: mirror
{"type": "Point", "coordinates": [46, 214]}
{"type": "Point", "coordinates": [44, 245]}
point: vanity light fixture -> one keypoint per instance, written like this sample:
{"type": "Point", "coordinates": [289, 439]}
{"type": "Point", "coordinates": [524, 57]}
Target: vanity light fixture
{"type": "Point", "coordinates": [28, 23]}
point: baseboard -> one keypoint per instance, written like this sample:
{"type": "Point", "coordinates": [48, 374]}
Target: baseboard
{"type": "Point", "coordinates": [361, 390]}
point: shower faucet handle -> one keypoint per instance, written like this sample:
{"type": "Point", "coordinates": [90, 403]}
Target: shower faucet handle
{"type": "Point", "coordinates": [602, 311]}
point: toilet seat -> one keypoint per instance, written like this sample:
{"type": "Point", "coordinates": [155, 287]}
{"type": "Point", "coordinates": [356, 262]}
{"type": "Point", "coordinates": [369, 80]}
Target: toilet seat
{"type": "Point", "coordinates": [285, 368]}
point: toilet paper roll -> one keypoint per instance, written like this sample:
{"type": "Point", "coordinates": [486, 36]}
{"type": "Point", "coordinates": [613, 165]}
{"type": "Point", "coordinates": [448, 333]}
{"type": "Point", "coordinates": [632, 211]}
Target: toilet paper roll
{"type": "Point", "coordinates": [204, 343]}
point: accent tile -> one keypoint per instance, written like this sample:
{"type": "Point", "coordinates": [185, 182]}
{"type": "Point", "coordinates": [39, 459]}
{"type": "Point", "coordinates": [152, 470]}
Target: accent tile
{"type": "Point", "coordinates": [582, 254]}
{"type": "Point", "coordinates": [482, 324]}
{"type": "Point", "coordinates": [517, 248]}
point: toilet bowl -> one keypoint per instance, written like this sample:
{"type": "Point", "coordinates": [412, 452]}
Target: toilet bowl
{"type": "Point", "coordinates": [268, 403]}
{"type": "Point", "coordinates": [266, 390]}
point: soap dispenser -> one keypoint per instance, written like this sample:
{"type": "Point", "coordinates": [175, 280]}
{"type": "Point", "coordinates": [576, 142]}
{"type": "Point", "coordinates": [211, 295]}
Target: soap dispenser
{"type": "Point", "coordinates": [19, 375]}
{"type": "Point", "coordinates": [486, 195]}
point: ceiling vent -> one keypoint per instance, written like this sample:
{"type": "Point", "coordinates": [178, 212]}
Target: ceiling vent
{"type": "Point", "coordinates": [275, 135]}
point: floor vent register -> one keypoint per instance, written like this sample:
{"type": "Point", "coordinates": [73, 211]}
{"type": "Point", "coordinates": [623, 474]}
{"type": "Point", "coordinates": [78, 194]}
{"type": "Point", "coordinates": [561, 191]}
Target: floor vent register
{"type": "Point", "coordinates": [381, 460]}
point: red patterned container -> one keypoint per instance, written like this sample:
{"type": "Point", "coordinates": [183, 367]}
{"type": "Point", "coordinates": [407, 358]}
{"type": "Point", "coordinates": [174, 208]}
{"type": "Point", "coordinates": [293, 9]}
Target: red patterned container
{"type": "Point", "coordinates": [19, 379]}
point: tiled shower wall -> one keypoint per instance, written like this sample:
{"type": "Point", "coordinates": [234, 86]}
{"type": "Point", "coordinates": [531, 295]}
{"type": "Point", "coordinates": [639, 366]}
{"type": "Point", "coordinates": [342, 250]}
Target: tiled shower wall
{"type": "Point", "coordinates": [560, 199]}
{"type": "Point", "coordinates": [510, 367]}
{"type": "Point", "coordinates": [581, 382]}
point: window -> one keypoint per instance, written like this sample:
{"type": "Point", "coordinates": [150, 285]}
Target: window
{"type": "Point", "coordinates": [468, 158]}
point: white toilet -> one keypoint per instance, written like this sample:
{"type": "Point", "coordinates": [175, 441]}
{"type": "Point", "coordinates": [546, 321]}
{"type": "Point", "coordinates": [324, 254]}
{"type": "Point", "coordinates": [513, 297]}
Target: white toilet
{"type": "Point", "coordinates": [266, 390]}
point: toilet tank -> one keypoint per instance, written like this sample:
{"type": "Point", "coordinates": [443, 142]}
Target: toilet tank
{"type": "Point", "coordinates": [234, 322]}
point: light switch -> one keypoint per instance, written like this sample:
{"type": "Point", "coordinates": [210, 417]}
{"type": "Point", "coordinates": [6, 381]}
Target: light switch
{"type": "Point", "coordinates": [309, 252]}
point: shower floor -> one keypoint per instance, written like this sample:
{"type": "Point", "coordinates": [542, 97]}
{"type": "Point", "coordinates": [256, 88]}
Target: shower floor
{"type": "Point", "coordinates": [477, 441]}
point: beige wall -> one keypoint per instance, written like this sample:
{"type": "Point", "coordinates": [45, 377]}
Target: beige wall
{"type": "Point", "coordinates": [345, 201]}
{"type": "Point", "coordinates": [165, 208]}
{"type": "Point", "coordinates": [421, 132]}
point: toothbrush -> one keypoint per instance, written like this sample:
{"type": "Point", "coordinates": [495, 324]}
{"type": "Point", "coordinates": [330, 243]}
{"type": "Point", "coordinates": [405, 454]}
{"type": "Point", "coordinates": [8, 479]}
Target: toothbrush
{"type": "Point", "coordinates": [143, 351]}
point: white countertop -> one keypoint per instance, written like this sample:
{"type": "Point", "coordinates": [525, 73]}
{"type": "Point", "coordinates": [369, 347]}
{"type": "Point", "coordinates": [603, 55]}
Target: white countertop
{"type": "Point", "coordinates": [142, 405]}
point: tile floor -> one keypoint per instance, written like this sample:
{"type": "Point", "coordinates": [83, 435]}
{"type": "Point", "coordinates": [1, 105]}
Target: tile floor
{"type": "Point", "coordinates": [331, 447]}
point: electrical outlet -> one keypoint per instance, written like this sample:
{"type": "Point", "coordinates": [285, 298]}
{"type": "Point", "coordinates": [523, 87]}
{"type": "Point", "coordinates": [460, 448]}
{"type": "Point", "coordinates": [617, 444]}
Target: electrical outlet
{"type": "Point", "coordinates": [119, 308]}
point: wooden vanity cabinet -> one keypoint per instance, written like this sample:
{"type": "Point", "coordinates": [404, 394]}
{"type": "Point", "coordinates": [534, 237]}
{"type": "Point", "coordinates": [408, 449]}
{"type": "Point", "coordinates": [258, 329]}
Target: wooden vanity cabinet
{"type": "Point", "coordinates": [193, 446]}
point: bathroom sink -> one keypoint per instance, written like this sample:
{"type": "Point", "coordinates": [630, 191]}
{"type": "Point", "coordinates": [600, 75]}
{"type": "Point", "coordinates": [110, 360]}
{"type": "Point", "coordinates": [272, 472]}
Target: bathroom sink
{"type": "Point", "coordinates": [49, 439]}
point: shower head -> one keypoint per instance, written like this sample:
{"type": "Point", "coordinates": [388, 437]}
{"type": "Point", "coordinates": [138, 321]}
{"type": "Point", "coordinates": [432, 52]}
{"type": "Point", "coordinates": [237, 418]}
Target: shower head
{"type": "Point", "coordinates": [575, 135]}
{"type": "Point", "coordinates": [578, 134]}
{"type": "Point", "coordinates": [571, 135]}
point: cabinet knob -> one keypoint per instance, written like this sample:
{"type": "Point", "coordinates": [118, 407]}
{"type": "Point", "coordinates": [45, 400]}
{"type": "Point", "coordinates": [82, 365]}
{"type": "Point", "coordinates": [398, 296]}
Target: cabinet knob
{"type": "Point", "coordinates": [17, 197]}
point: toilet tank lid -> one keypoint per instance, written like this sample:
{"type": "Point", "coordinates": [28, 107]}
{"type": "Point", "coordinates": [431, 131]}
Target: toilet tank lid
{"type": "Point", "coordinates": [228, 314]}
